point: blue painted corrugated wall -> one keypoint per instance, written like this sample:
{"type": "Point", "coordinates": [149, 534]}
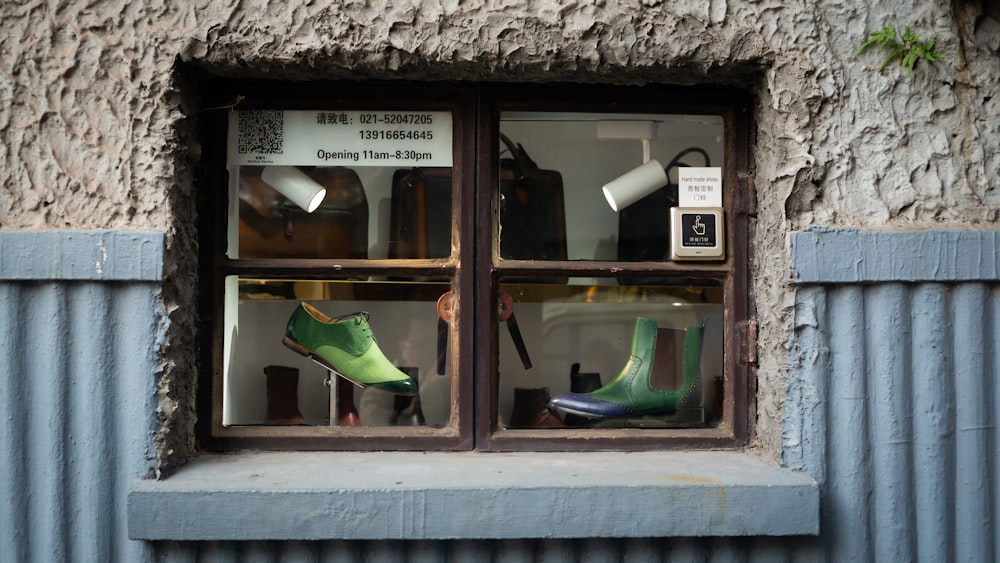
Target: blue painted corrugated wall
{"type": "Point", "coordinates": [77, 393]}
{"type": "Point", "coordinates": [896, 393]}
{"type": "Point", "coordinates": [891, 402]}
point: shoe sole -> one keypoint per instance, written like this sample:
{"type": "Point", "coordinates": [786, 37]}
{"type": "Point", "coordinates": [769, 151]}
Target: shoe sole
{"type": "Point", "coordinates": [302, 350]}
{"type": "Point", "coordinates": [584, 414]}
{"type": "Point", "coordinates": [593, 416]}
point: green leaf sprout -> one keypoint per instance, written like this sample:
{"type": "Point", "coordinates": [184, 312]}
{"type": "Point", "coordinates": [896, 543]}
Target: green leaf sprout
{"type": "Point", "coordinates": [909, 51]}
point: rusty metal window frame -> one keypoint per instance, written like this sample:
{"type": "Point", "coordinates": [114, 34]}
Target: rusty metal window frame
{"type": "Point", "coordinates": [476, 108]}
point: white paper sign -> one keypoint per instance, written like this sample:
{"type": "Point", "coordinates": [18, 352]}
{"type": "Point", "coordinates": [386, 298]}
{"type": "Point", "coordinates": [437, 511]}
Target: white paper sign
{"type": "Point", "coordinates": [340, 138]}
{"type": "Point", "coordinates": [699, 187]}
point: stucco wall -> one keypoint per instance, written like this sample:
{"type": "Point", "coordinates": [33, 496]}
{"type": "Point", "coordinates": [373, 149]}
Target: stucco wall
{"type": "Point", "coordinates": [95, 116]}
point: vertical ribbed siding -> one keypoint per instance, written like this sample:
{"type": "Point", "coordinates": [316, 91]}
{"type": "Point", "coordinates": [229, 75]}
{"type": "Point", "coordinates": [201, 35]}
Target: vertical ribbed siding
{"type": "Point", "coordinates": [597, 550]}
{"type": "Point", "coordinates": [907, 455]}
{"type": "Point", "coordinates": [77, 380]}
{"type": "Point", "coordinates": [975, 451]}
{"type": "Point", "coordinates": [890, 406]}
{"type": "Point", "coordinates": [933, 471]}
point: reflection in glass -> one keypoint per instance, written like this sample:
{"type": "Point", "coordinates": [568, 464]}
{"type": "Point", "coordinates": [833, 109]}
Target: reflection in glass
{"type": "Point", "coordinates": [272, 226]}
{"type": "Point", "coordinates": [579, 338]}
{"type": "Point", "coordinates": [550, 204]}
{"type": "Point", "coordinates": [267, 383]}
{"type": "Point", "coordinates": [420, 216]}
{"type": "Point", "coordinates": [366, 212]}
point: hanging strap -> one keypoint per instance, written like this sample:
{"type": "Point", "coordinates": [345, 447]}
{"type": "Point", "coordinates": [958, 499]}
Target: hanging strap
{"type": "Point", "coordinates": [519, 156]}
{"type": "Point", "coordinates": [505, 313]}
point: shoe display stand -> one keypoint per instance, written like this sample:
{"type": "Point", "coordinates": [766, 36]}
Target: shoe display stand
{"type": "Point", "coordinates": [405, 327]}
{"type": "Point", "coordinates": [578, 338]}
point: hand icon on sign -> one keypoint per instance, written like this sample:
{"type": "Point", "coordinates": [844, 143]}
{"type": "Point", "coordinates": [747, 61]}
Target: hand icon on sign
{"type": "Point", "coordinates": [698, 227]}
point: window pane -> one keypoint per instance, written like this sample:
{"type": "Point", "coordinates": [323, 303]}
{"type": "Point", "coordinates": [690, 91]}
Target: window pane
{"type": "Point", "coordinates": [346, 184]}
{"type": "Point", "coordinates": [665, 339]}
{"type": "Point", "coordinates": [348, 216]}
{"type": "Point", "coordinates": [551, 205]}
{"type": "Point", "coordinates": [268, 379]}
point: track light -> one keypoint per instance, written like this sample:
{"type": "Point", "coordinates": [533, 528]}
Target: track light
{"type": "Point", "coordinates": [635, 184]}
{"type": "Point", "coordinates": [641, 181]}
{"type": "Point", "coordinates": [296, 186]}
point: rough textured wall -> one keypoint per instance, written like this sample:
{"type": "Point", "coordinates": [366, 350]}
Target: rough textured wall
{"type": "Point", "coordinates": [95, 119]}
{"type": "Point", "coordinates": [841, 144]}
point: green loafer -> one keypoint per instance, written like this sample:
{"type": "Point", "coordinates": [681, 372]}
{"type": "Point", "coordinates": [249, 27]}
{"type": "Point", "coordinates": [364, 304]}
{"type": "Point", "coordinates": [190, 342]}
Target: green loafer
{"type": "Point", "coordinates": [346, 346]}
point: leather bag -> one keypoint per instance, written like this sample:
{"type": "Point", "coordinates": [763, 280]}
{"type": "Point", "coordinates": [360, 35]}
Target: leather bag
{"type": "Point", "coordinates": [271, 226]}
{"type": "Point", "coordinates": [420, 213]}
{"type": "Point", "coordinates": [532, 212]}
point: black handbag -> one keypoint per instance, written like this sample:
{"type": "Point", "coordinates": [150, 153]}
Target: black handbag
{"type": "Point", "coordinates": [532, 209]}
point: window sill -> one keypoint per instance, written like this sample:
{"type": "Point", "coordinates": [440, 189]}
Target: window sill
{"type": "Point", "coordinates": [443, 495]}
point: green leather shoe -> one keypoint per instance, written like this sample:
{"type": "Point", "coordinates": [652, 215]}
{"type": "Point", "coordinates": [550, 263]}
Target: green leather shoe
{"type": "Point", "coordinates": [631, 392]}
{"type": "Point", "coordinates": [346, 346]}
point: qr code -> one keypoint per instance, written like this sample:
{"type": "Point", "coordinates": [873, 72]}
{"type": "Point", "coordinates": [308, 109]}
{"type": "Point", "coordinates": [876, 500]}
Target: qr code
{"type": "Point", "coordinates": [261, 132]}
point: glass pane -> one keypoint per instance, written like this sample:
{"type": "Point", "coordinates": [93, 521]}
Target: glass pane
{"type": "Point", "coordinates": [351, 184]}
{"type": "Point", "coordinates": [553, 167]}
{"type": "Point", "coordinates": [620, 353]}
{"type": "Point", "coordinates": [339, 353]}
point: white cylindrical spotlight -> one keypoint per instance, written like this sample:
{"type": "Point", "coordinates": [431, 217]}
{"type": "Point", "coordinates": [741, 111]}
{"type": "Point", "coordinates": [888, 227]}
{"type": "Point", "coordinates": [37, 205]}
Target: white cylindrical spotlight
{"type": "Point", "coordinates": [296, 186]}
{"type": "Point", "coordinates": [635, 184]}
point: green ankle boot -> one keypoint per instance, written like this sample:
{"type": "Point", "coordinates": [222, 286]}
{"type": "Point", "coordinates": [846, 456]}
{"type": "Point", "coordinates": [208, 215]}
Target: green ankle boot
{"type": "Point", "coordinates": [346, 346]}
{"type": "Point", "coordinates": [631, 392]}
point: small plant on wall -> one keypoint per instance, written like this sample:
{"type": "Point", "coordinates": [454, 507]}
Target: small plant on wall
{"type": "Point", "coordinates": [911, 50]}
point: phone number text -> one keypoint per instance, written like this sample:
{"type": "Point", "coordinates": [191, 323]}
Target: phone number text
{"type": "Point", "coordinates": [395, 135]}
{"type": "Point", "coordinates": [396, 119]}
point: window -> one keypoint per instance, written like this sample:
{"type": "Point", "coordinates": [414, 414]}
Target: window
{"type": "Point", "coordinates": [393, 266]}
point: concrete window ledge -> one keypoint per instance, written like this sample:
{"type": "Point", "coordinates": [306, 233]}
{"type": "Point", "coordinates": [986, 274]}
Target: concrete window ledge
{"type": "Point", "coordinates": [444, 495]}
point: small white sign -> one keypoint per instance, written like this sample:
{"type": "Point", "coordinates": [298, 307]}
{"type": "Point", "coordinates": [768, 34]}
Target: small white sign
{"type": "Point", "coordinates": [340, 138]}
{"type": "Point", "coordinates": [699, 187]}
